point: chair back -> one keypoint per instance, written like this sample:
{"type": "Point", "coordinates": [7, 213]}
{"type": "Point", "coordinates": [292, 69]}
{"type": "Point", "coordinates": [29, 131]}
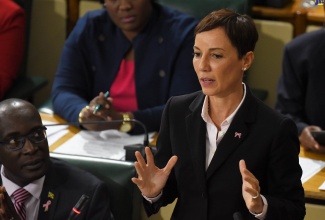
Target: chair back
{"type": "Point", "coordinates": [27, 6]}
{"type": "Point", "coordinates": [25, 87]}
{"type": "Point", "coordinates": [266, 68]}
{"type": "Point", "coordinates": [74, 11]}
{"type": "Point", "coordinates": [125, 196]}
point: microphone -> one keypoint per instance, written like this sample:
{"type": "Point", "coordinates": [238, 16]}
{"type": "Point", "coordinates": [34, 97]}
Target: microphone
{"type": "Point", "coordinates": [237, 216]}
{"type": "Point", "coordinates": [76, 210]}
{"type": "Point", "coordinates": [129, 149]}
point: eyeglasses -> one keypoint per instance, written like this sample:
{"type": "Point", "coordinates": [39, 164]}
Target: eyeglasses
{"type": "Point", "coordinates": [16, 143]}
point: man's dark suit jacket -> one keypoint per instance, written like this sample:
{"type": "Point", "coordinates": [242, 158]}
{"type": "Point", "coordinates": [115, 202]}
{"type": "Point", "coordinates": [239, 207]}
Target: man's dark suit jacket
{"type": "Point", "coordinates": [301, 88]}
{"type": "Point", "coordinates": [63, 187]}
{"type": "Point", "coordinates": [268, 143]}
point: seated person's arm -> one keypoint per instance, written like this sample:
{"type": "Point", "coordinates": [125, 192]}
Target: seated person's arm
{"type": "Point", "coordinates": [308, 141]}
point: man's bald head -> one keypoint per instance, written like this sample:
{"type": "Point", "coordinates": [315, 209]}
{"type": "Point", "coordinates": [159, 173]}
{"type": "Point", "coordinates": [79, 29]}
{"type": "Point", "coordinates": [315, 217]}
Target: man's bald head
{"type": "Point", "coordinates": [17, 108]}
{"type": "Point", "coordinates": [24, 158]}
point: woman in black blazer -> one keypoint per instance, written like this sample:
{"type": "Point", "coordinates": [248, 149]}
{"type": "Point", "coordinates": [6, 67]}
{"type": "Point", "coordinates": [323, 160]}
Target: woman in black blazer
{"type": "Point", "coordinates": [221, 151]}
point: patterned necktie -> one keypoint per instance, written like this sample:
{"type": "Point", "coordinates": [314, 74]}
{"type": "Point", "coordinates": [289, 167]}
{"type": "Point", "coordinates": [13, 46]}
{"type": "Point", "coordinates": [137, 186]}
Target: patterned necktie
{"type": "Point", "coordinates": [20, 196]}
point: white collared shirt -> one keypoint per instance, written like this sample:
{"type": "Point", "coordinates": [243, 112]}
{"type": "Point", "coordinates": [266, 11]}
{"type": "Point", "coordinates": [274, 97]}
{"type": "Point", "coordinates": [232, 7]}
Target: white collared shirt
{"type": "Point", "coordinates": [34, 188]}
{"type": "Point", "coordinates": [213, 138]}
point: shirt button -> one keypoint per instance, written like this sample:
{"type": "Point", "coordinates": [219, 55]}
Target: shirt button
{"type": "Point", "coordinates": [162, 73]}
{"type": "Point", "coordinates": [203, 195]}
{"type": "Point", "coordinates": [93, 68]}
{"type": "Point", "coordinates": [160, 40]}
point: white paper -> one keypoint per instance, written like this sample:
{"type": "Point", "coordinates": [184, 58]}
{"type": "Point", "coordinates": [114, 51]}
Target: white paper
{"type": "Point", "coordinates": [54, 133]}
{"type": "Point", "coordinates": [310, 167]}
{"type": "Point", "coordinates": [322, 187]}
{"type": "Point", "coordinates": [104, 144]}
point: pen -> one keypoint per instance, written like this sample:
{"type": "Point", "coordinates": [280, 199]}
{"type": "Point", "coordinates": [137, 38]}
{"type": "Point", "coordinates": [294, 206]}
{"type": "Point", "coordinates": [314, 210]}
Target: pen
{"type": "Point", "coordinates": [76, 210]}
{"type": "Point", "coordinates": [99, 105]}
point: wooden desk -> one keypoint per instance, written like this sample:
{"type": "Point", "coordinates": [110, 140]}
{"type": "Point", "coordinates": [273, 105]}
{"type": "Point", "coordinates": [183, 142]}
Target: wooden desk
{"type": "Point", "coordinates": [294, 13]}
{"type": "Point", "coordinates": [311, 186]}
{"type": "Point", "coordinates": [73, 130]}
{"type": "Point", "coordinates": [316, 15]}
{"type": "Point", "coordinates": [56, 119]}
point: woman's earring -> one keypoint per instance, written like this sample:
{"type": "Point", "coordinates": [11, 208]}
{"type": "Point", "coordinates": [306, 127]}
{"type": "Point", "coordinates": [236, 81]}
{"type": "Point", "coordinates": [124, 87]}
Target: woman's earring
{"type": "Point", "coordinates": [243, 69]}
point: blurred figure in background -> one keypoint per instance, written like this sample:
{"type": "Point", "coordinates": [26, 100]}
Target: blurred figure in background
{"type": "Point", "coordinates": [139, 51]}
{"type": "Point", "coordinates": [12, 35]}
{"type": "Point", "coordinates": [301, 87]}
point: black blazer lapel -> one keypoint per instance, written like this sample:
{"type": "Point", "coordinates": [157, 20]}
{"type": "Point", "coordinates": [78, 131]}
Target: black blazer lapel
{"type": "Point", "coordinates": [50, 195]}
{"type": "Point", "coordinates": [196, 132]}
{"type": "Point", "coordinates": [235, 134]}
{"type": "Point", "coordinates": [48, 202]}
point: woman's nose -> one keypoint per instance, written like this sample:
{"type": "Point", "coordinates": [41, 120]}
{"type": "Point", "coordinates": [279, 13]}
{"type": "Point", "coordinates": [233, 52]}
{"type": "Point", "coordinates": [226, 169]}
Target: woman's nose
{"type": "Point", "coordinates": [204, 64]}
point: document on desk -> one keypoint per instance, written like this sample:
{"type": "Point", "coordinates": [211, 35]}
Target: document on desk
{"type": "Point", "coordinates": [104, 144]}
{"type": "Point", "coordinates": [310, 167]}
{"type": "Point", "coordinates": [54, 132]}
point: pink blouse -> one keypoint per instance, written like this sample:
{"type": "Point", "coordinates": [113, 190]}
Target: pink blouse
{"type": "Point", "coordinates": [123, 89]}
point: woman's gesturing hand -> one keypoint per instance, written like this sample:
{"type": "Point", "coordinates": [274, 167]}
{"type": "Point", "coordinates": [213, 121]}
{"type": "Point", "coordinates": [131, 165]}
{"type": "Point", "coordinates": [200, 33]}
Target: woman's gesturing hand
{"type": "Point", "coordinates": [151, 180]}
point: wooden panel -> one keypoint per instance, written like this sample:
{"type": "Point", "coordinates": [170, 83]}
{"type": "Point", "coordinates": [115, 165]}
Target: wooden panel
{"type": "Point", "coordinates": [73, 12]}
{"type": "Point", "coordinates": [294, 13]}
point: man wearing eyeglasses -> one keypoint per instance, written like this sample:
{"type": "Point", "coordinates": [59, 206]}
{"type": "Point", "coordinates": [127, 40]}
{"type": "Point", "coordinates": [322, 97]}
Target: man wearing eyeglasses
{"type": "Point", "coordinates": [38, 186]}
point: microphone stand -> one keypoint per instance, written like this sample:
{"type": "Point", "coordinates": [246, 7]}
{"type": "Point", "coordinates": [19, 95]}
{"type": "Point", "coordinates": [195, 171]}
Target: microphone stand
{"type": "Point", "coordinates": [130, 149]}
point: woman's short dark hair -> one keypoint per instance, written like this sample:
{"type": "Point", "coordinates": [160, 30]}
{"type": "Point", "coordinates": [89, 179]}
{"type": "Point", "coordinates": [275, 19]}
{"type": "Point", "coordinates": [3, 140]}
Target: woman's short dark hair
{"type": "Point", "coordinates": [239, 28]}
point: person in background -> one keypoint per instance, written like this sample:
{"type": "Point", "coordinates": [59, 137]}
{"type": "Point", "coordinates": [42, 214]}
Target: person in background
{"type": "Point", "coordinates": [301, 90]}
{"type": "Point", "coordinates": [51, 187]}
{"type": "Point", "coordinates": [222, 151]}
{"type": "Point", "coordinates": [138, 51]}
{"type": "Point", "coordinates": [12, 35]}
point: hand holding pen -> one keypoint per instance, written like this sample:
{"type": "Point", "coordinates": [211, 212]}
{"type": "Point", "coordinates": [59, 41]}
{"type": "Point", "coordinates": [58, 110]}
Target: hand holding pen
{"type": "Point", "coordinates": [99, 105]}
{"type": "Point", "coordinates": [101, 109]}
{"type": "Point", "coordinates": [91, 112]}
